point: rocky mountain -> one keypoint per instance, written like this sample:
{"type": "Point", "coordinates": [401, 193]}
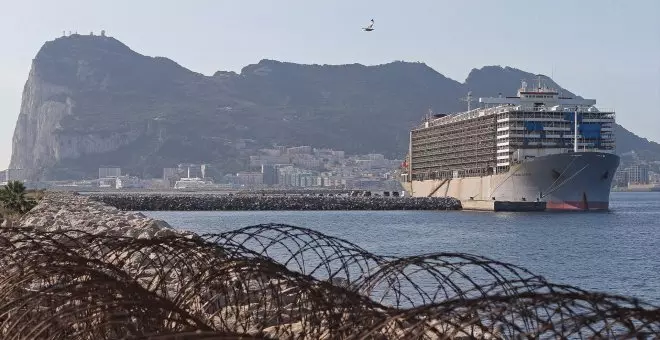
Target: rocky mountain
{"type": "Point", "coordinates": [91, 101]}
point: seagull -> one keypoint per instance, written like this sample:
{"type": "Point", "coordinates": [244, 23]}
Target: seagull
{"type": "Point", "coordinates": [370, 27]}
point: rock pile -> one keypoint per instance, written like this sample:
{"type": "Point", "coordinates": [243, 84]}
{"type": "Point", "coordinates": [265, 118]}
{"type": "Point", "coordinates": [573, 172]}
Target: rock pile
{"type": "Point", "coordinates": [65, 211]}
{"type": "Point", "coordinates": [209, 202]}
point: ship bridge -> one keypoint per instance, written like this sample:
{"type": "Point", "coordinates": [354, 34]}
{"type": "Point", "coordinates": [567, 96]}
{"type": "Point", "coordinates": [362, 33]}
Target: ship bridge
{"type": "Point", "coordinates": [539, 97]}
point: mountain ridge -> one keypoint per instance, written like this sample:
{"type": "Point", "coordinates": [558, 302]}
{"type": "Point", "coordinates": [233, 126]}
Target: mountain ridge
{"type": "Point", "coordinates": [92, 100]}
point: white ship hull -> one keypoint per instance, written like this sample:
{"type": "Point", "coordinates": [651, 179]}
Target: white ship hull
{"type": "Point", "coordinates": [568, 181]}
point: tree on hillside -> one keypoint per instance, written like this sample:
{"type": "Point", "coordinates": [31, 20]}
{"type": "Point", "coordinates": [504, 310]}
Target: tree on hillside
{"type": "Point", "coordinates": [12, 198]}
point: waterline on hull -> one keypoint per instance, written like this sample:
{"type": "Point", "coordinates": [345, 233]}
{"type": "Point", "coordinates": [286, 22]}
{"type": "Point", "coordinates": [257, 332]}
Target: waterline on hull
{"type": "Point", "coordinates": [571, 181]}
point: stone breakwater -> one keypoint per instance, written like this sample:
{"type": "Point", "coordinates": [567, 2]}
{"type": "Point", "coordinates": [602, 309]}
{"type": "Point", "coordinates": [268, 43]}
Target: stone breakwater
{"type": "Point", "coordinates": [63, 211]}
{"type": "Point", "coordinates": [206, 202]}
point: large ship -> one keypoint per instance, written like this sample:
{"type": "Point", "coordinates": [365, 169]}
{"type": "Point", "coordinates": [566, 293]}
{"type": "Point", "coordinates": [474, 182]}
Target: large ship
{"type": "Point", "coordinates": [538, 146]}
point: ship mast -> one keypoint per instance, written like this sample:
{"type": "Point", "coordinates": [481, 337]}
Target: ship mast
{"type": "Point", "coordinates": [468, 99]}
{"type": "Point", "coordinates": [575, 137]}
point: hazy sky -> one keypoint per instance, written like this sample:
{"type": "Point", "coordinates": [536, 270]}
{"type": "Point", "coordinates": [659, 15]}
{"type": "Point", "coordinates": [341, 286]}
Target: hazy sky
{"type": "Point", "coordinates": [603, 49]}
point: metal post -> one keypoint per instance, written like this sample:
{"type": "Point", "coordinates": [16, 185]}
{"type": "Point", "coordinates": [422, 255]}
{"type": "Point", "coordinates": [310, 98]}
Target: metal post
{"type": "Point", "coordinates": [410, 162]}
{"type": "Point", "coordinates": [575, 138]}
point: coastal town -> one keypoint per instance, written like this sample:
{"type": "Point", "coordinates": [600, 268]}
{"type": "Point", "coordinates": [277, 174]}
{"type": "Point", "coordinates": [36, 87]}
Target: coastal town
{"type": "Point", "coordinates": [635, 174]}
{"type": "Point", "coordinates": [290, 167]}
{"type": "Point", "coordinates": [276, 167]}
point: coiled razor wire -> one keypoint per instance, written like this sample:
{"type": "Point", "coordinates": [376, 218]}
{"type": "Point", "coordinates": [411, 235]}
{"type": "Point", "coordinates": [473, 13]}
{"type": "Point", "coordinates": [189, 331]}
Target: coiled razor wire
{"type": "Point", "coordinates": [275, 281]}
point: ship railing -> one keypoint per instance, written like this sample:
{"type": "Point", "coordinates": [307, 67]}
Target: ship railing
{"type": "Point", "coordinates": [455, 139]}
{"type": "Point", "coordinates": [566, 108]}
{"type": "Point", "coordinates": [428, 151]}
{"type": "Point", "coordinates": [456, 148]}
{"type": "Point", "coordinates": [489, 125]}
{"type": "Point", "coordinates": [503, 109]}
{"type": "Point", "coordinates": [435, 161]}
{"type": "Point", "coordinates": [476, 113]}
{"type": "Point", "coordinates": [452, 165]}
{"type": "Point", "coordinates": [485, 169]}
{"type": "Point", "coordinates": [439, 159]}
{"type": "Point", "coordinates": [485, 152]}
{"type": "Point", "coordinates": [555, 114]}
{"type": "Point", "coordinates": [439, 149]}
{"type": "Point", "coordinates": [449, 129]}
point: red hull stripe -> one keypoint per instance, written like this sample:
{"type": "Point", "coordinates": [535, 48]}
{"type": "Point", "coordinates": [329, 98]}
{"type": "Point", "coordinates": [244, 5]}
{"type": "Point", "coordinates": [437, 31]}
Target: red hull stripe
{"type": "Point", "coordinates": [576, 205]}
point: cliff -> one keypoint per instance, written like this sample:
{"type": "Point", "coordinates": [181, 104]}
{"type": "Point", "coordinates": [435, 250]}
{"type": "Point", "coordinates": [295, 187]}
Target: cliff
{"type": "Point", "coordinates": [91, 101]}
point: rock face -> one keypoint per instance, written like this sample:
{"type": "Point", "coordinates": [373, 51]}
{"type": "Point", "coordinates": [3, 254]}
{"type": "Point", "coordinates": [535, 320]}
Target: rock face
{"type": "Point", "coordinates": [91, 101]}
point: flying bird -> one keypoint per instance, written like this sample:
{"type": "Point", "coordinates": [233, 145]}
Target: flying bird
{"type": "Point", "coordinates": [370, 27]}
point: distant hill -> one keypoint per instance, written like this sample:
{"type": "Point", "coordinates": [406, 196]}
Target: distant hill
{"type": "Point", "coordinates": [91, 101]}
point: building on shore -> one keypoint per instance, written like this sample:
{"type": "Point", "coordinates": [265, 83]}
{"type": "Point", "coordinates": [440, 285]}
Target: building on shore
{"type": "Point", "coordinates": [14, 175]}
{"type": "Point", "coordinates": [250, 179]}
{"type": "Point", "coordinates": [124, 182]}
{"type": "Point", "coordinates": [638, 174]}
{"type": "Point", "coordinates": [621, 178]}
{"type": "Point", "coordinates": [297, 150]}
{"type": "Point", "coordinates": [654, 177]}
{"type": "Point", "coordinates": [108, 182]}
{"type": "Point", "coordinates": [192, 170]}
{"type": "Point", "coordinates": [109, 172]}
{"type": "Point", "coordinates": [170, 173]}
{"type": "Point", "coordinates": [269, 174]}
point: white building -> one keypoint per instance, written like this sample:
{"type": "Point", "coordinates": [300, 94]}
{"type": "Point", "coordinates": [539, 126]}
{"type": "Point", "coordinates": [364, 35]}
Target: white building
{"type": "Point", "coordinates": [271, 152]}
{"type": "Point", "coordinates": [15, 175]}
{"type": "Point", "coordinates": [193, 170]}
{"type": "Point", "coordinates": [170, 173]}
{"type": "Point", "coordinates": [250, 178]}
{"type": "Point", "coordinates": [109, 172]}
{"type": "Point", "coordinates": [269, 160]}
{"type": "Point", "coordinates": [638, 174]}
{"type": "Point", "coordinates": [123, 182]}
{"type": "Point", "coordinates": [299, 150]}
{"type": "Point", "coordinates": [109, 182]}
{"type": "Point", "coordinates": [306, 161]}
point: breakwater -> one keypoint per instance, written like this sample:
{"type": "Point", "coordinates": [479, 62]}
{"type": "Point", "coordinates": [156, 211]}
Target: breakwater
{"type": "Point", "coordinates": [213, 202]}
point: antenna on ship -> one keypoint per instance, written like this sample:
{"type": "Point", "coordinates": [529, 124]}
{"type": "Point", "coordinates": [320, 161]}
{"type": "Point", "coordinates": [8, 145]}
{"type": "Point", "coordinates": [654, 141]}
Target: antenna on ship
{"type": "Point", "coordinates": [552, 74]}
{"type": "Point", "coordinates": [468, 99]}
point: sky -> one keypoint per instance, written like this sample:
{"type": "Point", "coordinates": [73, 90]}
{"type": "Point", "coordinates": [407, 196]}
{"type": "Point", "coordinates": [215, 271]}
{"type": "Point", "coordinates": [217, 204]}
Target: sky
{"type": "Point", "coordinates": [608, 50]}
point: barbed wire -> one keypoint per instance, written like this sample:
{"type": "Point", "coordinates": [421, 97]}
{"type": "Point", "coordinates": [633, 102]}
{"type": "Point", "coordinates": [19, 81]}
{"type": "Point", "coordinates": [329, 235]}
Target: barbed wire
{"type": "Point", "coordinates": [276, 281]}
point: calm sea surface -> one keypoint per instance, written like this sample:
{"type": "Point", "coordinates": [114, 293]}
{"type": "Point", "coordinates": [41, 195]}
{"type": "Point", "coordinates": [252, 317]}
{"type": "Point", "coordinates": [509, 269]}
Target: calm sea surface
{"type": "Point", "coordinates": [616, 251]}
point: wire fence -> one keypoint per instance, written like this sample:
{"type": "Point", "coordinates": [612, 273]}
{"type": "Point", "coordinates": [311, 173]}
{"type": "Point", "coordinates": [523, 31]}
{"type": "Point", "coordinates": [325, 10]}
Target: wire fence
{"type": "Point", "coordinates": [275, 281]}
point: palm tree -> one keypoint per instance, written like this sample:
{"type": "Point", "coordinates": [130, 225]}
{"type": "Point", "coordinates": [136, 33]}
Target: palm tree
{"type": "Point", "coordinates": [12, 198]}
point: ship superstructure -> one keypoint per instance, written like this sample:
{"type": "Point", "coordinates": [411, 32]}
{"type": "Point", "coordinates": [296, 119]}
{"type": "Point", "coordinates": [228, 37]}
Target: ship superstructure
{"type": "Point", "coordinates": [498, 142]}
